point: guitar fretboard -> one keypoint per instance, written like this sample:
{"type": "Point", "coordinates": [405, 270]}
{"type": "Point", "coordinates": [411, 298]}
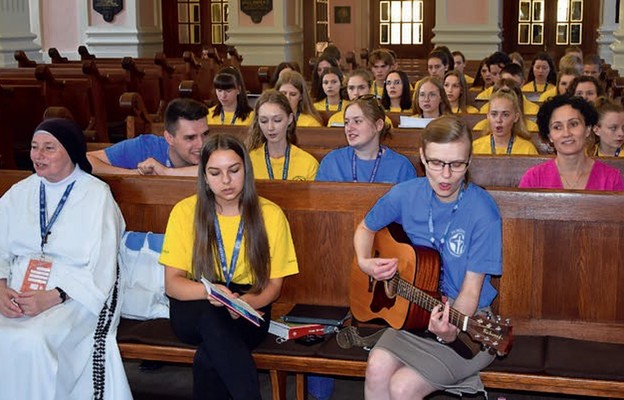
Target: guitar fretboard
{"type": "Point", "coordinates": [424, 300]}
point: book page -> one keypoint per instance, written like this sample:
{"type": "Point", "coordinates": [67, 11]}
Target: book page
{"type": "Point", "coordinates": [239, 306]}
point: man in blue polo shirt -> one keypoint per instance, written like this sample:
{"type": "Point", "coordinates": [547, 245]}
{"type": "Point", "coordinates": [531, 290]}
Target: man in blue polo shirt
{"type": "Point", "coordinates": [177, 152]}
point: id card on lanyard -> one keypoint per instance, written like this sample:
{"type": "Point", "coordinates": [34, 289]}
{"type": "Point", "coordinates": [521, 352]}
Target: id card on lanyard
{"type": "Point", "coordinates": [40, 268]}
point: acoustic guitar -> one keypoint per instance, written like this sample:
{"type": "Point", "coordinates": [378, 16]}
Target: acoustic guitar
{"type": "Point", "coordinates": [406, 300]}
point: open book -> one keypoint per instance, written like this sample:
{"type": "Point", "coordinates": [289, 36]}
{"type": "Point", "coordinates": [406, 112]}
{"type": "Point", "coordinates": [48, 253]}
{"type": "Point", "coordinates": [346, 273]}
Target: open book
{"type": "Point", "coordinates": [239, 306]}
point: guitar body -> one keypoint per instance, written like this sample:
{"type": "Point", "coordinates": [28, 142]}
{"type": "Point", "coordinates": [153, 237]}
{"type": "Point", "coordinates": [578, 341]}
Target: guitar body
{"type": "Point", "coordinates": [371, 299]}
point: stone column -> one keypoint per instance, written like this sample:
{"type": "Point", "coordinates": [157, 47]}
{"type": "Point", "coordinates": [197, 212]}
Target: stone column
{"type": "Point", "coordinates": [136, 31]}
{"type": "Point", "coordinates": [278, 37]}
{"type": "Point", "coordinates": [15, 32]}
{"type": "Point", "coordinates": [618, 45]}
{"type": "Point", "coordinates": [606, 30]}
{"type": "Point", "coordinates": [471, 26]}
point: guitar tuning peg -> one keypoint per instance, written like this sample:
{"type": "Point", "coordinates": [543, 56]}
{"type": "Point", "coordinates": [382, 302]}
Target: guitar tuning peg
{"type": "Point", "coordinates": [486, 339]}
{"type": "Point", "coordinates": [495, 343]}
{"type": "Point", "coordinates": [498, 328]}
{"type": "Point", "coordinates": [477, 336]}
{"type": "Point", "coordinates": [479, 321]}
{"type": "Point", "coordinates": [498, 318]}
{"type": "Point", "coordinates": [507, 321]}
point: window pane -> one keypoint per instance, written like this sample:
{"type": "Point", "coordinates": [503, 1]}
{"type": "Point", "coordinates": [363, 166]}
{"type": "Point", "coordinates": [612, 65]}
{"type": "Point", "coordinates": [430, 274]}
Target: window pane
{"type": "Point", "coordinates": [538, 11]}
{"type": "Point", "coordinates": [226, 12]}
{"type": "Point", "coordinates": [418, 11]}
{"type": "Point", "coordinates": [182, 13]}
{"type": "Point", "coordinates": [395, 11]}
{"type": "Point", "coordinates": [576, 34]}
{"type": "Point", "coordinates": [395, 33]}
{"type": "Point", "coordinates": [576, 11]}
{"type": "Point", "coordinates": [215, 13]}
{"type": "Point", "coordinates": [524, 14]}
{"type": "Point", "coordinates": [195, 34]}
{"type": "Point", "coordinates": [406, 33]}
{"type": "Point", "coordinates": [384, 34]}
{"type": "Point", "coordinates": [384, 11]}
{"type": "Point", "coordinates": [194, 13]}
{"type": "Point", "coordinates": [225, 32]}
{"type": "Point", "coordinates": [406, 14]}
{"type": "Point", "coordinates": [183, 34]}
{"type": "Point", "coordinates": [562, 10]}
{"type": "Point", "coordinates": [538, 34]}
{"type": "Point", "coordinates": [562, 34]}
{"type": "Point", "coordinates": [216, 34]}
{"type": "Point", "coordinates": [523, 34]}
{"type": "Point", "coordinates": [417, 28]}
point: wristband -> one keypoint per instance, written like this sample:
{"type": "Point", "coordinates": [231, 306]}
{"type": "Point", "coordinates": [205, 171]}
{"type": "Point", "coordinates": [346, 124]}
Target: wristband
{"type": "Point", "coordinates": [439, 339]}
{"type": "Point", "coordinates": [62, 294]}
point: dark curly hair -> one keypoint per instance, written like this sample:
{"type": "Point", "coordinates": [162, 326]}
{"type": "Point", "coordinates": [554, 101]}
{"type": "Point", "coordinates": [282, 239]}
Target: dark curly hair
{"type": "Point", "coordinates": [589, 113]}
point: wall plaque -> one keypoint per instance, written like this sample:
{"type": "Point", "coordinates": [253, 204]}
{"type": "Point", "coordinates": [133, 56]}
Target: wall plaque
{"type": "Point", "coordinates": [256, 9]}
{"type": "Point", "coordinates": [108, 8]}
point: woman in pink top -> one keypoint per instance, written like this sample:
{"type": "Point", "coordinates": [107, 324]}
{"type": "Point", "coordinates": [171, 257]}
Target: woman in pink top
{"type": "Point", "coordinates": [567, 122]}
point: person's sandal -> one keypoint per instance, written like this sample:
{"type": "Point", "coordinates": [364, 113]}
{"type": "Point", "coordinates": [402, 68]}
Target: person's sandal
{"type": "Point", "coordinates": [350, 336]}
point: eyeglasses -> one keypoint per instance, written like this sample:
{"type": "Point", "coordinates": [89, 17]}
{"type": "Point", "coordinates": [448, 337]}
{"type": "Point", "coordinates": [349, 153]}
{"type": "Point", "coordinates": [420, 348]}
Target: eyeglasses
{"type": "Point", "coordinates": [431, 95]}
{"type": "Point", "coordinates": [455, 166]}
{"type": "Point", "coordinates": [395, 82]}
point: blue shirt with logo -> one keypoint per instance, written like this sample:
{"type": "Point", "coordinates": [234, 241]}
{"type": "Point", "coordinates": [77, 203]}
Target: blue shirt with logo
{"type": "Point", "coordinates": [129, 153]}
{"type": "Point", "coordinates": [474, 238]}
{"type": "Point", "coordinates": [336, 166]}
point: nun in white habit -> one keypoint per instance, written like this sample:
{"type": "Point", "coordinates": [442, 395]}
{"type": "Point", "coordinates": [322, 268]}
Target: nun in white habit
{"type": "Point", "coordinates": [60, 230]}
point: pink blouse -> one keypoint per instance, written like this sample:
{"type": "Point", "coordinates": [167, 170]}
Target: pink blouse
{"type": "Point", "coordinates": [546, 176]}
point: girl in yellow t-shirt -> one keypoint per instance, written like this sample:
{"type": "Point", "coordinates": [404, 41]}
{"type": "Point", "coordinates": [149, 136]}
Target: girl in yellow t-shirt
{"type": "Point", "coordinates": [505, 132]}
{"type": "Point", "coordinates": [396, 95]}
{"type": "Point", "coordinates": [272, 142]}
{"type": "Point", "coordinates": [542, 74]}
{"type": "Point", "coordinates": [608, 133]}
{"type": "Point", "coordinates": [232, 107]}
{"type": "Point", "coordinates": [330, 98]}
{"type": "Point", "coordinates": [456, 91]}
{"type": "Point", "coordinates": [239, 241]}
{"type": "Point", "coordinates": [292, 84]}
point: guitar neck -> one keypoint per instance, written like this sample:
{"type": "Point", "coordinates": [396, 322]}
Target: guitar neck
{"type": "Point", "coordinates": [428, 302]}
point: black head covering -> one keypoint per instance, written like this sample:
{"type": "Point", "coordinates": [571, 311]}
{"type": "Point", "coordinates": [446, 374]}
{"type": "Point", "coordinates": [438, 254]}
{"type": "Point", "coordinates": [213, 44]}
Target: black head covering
{"type": "Point", "coordinates": [71, 137]}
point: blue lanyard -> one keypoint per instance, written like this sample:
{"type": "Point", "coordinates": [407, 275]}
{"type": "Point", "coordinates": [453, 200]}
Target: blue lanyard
{"type": "Point", "coordinates": [375, 167]}
{"type": "Point", "coordinates": [509, 145]}
{"type": "Point", "coordinates": [223, 118]}
{"type": "Point", "coordinates": [327, 104]}
{"type": "Point", "coordinates": [617, 152]}
{"type": "Point", "coordinates": [267, 160]}
{"type": "Point", "coordinates": [45, 228]}
{"type": "Point", "coordinates": [228, 273]}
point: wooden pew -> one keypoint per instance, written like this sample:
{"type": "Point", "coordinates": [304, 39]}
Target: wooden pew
{"type": "Point", "coordinates": [559, 262]}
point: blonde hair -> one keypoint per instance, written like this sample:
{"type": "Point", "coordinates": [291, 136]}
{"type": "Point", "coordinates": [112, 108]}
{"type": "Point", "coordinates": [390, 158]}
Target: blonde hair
{"type": "Point", "coordinates": [443, 108]}
{"type": "Point", "coordinates": [298, 81]}
{"type": "Point", "coordinates": [372, 111]}
{"type": "Point", "coordinates": [256, 138]}
{"type": "Point", "coordinates": [518, 128]}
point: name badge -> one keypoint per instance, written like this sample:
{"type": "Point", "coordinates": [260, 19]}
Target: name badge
{"type": "Point", "coordinates": [37, 275]}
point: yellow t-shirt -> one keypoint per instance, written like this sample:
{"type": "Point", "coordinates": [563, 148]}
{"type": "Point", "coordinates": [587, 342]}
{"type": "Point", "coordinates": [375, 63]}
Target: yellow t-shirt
{"type": "Point", "coordinates": [177, 251]}
{"type": "Point", "coordinates": [227, 118]}
{"type": "Point", "coordinates": [469, 79]}
{"type": "Point", "coordinates": [529, 107]}
{"type": "Point", "coordinates": [534, 87]}
{"type": "Point", "coordinates": [302, 165]}
{"type": "Point", "coordinates": [483, 145]}
{"type": "Point", "coordinates": [469, 110]}
{"type": "Point", "coordinates": [597, 153]}
{"type": "Point", "coordinates": [337, 120]}
{"type": "Point", "coordinates": [530, 125]}
{"type": "Point", "coordinates": [321, 106]}
{"type": "Point", "coordinates": [307, 120]}
{"type": "Point", "coordinates": [551, 92]}
{"type": "Point", "coordinates": [485, 95]}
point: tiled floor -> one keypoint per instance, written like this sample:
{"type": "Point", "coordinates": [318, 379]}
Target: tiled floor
{"type": "Point", "coordinates": [173, 382]}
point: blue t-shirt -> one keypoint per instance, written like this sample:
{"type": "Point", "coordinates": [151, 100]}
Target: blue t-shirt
{"type": "Point", "coordinates": [473, 241]}
{"type": "Point", "coordinates": [336, 166]}
{"type": "Point", "coordinates": [129, 153]}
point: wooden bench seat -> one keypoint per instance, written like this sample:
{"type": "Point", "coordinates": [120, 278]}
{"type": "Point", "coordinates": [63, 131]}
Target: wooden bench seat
{"type": "Point", "coordinates": [560, 287]}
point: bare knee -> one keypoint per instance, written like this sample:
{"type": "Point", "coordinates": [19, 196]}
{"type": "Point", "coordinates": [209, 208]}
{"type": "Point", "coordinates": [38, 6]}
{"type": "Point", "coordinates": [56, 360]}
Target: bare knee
{"type": "Point", "coordinates": [406, 383]}
{"type": "Point", "coordinates": [379, 369]}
